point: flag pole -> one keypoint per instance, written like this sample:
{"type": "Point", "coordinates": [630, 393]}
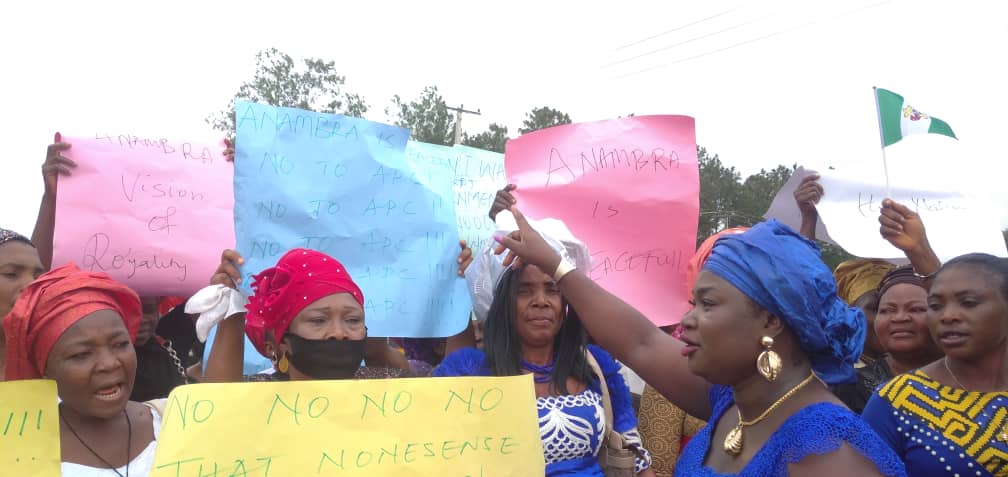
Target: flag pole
{"type": "Point", "coordinates": [885, 164]}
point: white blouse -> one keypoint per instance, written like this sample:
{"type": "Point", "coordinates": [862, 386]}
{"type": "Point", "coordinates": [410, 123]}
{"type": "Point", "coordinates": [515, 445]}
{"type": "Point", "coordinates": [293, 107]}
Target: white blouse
{"type": "Point", "coordinates": [140, 466]}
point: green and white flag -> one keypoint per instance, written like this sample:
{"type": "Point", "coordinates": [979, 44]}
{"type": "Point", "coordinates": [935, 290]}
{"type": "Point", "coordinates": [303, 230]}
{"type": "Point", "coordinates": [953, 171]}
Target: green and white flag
{"type": "Point", "coordinates": [898, 119]}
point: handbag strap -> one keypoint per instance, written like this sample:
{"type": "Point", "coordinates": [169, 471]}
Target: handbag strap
{"type": "Point", "coordinates": [613, 438]}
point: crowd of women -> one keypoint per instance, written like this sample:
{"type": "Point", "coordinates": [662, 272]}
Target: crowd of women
{"type": "Point", "coordinates": [781, 367]}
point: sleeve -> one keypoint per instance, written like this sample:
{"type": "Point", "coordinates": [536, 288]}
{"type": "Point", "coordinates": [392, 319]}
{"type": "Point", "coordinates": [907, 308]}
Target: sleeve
{"type": "Point", "coordinates": [464, 362]}
{"type": "Point", "coordinates": [624, 419]}
{"type": "Point", "coordinates": [879, 415]}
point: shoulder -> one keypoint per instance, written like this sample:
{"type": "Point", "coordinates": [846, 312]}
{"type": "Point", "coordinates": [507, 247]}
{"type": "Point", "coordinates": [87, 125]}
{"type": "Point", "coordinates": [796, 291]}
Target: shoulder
{"type": "Point", "coordinates": [836, 435]}
{"type": "Point", "coordinates": [463, 362]}
{"type": "Point", "coordinates": [906, 386]}
{"type": "Point", "coordinates": [841, 462]}
{"type": "Point", "coordinates": [605, 361]}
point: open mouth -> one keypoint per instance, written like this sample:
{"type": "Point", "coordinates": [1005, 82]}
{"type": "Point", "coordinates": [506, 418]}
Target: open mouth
{"type": "Point", "coordinates": [110, 393]}
{"type": "Point", "coordinates": [952, 338]}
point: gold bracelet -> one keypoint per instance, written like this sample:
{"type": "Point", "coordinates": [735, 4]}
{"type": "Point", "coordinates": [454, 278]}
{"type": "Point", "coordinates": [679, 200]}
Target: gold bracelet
{"type": "Point", "coordinates": [562, 269]}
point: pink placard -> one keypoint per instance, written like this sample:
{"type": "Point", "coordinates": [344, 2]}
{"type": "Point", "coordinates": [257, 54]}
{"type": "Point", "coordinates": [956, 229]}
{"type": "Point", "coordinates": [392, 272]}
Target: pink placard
{"type": "Point", "coordinates": [154, 213]}
{"type": "Point", "coordinates": [629, 188]}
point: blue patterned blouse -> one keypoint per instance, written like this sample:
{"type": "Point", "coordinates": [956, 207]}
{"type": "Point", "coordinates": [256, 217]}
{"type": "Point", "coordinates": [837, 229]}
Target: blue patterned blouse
{"type": "Point", "coordinates": [571, 426]}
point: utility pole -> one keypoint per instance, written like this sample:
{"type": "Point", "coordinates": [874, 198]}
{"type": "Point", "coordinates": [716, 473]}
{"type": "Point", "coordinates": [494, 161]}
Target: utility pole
{"type": "Point", "coordinates": [458, 121]}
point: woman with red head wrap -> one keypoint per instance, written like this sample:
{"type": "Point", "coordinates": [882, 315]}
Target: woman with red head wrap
{"type": "Point", "coordinates": [76, 328]}
{"type": "Point", "coordinates": [306, 314]}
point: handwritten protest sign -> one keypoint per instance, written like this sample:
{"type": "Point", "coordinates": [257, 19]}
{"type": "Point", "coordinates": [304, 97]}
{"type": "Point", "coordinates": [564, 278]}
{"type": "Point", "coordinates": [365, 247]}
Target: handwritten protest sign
{"type": "Point", "coordinates": [629, 189]}
{"type": "Point", "coordinates": [479, 175]}
{"type": "Point", "coordinates": [344, 186]}
{"type": "Point", "coordinates": [476, 177]}
{"type": "Point", "coordinates": [464, 427]}
{"type": "Point", "coordinates": [29, 428]}
{"type": "Point", "coordinates": [154, 213]}
{"type": "Point", "coordinates": [850, 207]}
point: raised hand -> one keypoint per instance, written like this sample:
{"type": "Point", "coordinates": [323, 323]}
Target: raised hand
{"type": "Point", "coordinates": [55, 164]}
{"type": "Point", "coordinates": [227, 273]}
{"type": "Point", "coordinates": [503, 200]}
{"type": "Point", "coordinates": [901, 226]}
{"type": "Point", "coordinates": [229, 150]}
{"type": "Point", "coordinates": [465, 258]}
{"type": "Point", "coordinates": [526, 245]}
{"type": "Point", "coordinates": [808, 194]}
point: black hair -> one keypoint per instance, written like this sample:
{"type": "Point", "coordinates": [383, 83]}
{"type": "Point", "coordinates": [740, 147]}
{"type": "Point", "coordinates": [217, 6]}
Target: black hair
{"type": "Point", "coordinates": [503, 345]}
{"type": "Point", "coordinates": [995, 266]}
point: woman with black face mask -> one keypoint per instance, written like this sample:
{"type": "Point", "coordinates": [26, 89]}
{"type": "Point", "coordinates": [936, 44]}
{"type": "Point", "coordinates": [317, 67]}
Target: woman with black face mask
{"type": "Point", "coordinates": [305, 314]}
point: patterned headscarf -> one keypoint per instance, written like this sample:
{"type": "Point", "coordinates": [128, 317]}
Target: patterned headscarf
{"type": "Point", "coordinates": [53, 303]}
{"type": "Point", "coordinates": [904, 274]}
{"type": "Point", "coordinates": [782, 272]}
{"type": "Point", "coordinates": [279, 293]}
{"type": "Point", "coordinates": [854, 278]}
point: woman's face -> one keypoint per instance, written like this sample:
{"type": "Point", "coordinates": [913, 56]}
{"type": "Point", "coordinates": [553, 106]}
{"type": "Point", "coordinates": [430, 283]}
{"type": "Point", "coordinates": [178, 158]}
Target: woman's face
{"type": "Point", "coordinates": [148, 321]}
{"type": "Point", "coordinates": [94, 365]}
{"type": "Point", "coordinates": [901, 322]}
{"type": "Point", "coordinates": [722, 331]}
{"type": "Point", "coordinates": [19, 265]}
{"type": "Point", "coordinates": [869, 304]}
{"type": "Point", "coordinates": [967, 316]}
{"type": "Point", "coordinates": [336, 316]}
{"type": "Point", "coordinates": [539, 307]}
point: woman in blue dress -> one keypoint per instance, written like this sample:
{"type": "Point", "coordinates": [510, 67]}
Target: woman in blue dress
{"type": "Point", "coordinates": [950, 417]}
{"type": "Point", "coordinates": [529, 328]}
{"type": "Point", "coordinates": [767, 325]}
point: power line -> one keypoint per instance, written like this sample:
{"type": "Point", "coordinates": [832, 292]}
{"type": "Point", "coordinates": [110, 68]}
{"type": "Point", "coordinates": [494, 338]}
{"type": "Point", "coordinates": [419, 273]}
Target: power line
{"type": "Point", "coordinates": [764, 37]}
{"type": "Point", "coordinates": [668, 47]}
{"type": "Point", "coordinates": [680, 27]}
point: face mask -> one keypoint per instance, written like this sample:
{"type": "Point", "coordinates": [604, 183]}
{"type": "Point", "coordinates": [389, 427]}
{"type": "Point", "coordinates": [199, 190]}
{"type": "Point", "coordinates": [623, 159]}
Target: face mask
{"type": "Point", "coordinates": [325, 359]}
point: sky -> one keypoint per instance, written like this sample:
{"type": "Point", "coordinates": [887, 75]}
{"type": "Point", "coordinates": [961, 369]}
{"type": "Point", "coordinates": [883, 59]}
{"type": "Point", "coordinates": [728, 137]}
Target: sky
{"type": "Point", "coordinates": [769, 81]}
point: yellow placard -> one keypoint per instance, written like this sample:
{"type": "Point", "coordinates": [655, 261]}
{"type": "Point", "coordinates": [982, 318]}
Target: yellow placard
{"type": "Point", "coordinates": [29, 428]}
{"type": "Point", "coordinates": [458, 427]}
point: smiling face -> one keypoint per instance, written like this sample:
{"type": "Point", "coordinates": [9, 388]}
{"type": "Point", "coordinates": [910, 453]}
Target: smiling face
{"type": "Point", "coordinates": [94, 364]}
{"type": "Point", "coordinates": [539, 307]}
{"type": "Point", "coordinates": [968, 314]}
{"type": "Point", "coordinates": [901, 322]}
{"type": "Point", "coordinates": [19, 265]}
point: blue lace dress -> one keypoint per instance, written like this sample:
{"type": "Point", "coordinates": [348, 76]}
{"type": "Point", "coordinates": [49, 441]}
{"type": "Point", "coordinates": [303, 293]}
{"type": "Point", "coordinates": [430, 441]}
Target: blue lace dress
{"type": "Point", "coordinates": [571, 426]}
{"type": "Point", "coordinates": [815, 430]}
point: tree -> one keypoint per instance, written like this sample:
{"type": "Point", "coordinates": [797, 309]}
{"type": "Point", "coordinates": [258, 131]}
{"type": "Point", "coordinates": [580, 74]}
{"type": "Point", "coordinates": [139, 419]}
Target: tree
{"type": "Point", "coordinates": [719, 192]}
{"type": "Point", "coordinates": [542, 118]}
{"type": "Point", "coordinates": [427, 117]}
{"type": "Point", "coordinates": [493, 139]}
{"type": "Point", "coordinates": [759, 189]}
{"type": "Point", "coordinates": [312, 85]}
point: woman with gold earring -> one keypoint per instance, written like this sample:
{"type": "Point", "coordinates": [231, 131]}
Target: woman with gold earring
{"type": "Point", "coordinates": [768, 413]}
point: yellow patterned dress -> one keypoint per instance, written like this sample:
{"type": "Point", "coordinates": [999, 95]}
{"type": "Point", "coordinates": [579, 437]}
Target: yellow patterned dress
{"type": "Point", "coordinates": [664, 430]}
{"type": "Point", "coordinates": [940, 430]}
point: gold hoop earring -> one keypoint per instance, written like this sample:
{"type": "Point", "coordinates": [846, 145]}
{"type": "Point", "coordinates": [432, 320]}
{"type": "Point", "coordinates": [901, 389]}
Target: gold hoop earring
{"type": "Point", "coordinates": [769, 362]}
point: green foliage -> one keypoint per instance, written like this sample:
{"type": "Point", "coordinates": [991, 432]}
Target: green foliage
{"type": "Point", "coordinates": [542, 118]}
{"type": "Point", "coordinates": [427, 117]}
{"type": "Point", "coordinates": [311, 84]}
{"type": "Point", "coordinates": [493, 139]}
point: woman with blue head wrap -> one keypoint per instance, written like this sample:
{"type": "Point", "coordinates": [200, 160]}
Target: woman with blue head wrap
{"type": "Point", "coordinates": [767, 329]}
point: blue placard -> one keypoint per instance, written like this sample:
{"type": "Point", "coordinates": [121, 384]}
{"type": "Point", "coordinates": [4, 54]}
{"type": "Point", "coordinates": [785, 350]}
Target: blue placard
{"type": "Point", "coordinates": [344, 186]}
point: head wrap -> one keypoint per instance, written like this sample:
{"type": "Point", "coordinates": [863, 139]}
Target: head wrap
{"type": "Point", "coordinates": [904, 274]}
{"type": "Point", "coordinates": [165, 304]}
{"type": "Point", "coordinates": [51, 304]}
{"type": "Point", "coordinates": [782, 272]}
{"type": "Point", "coordinates": [12, 236]}
{"type": "Point", "coordinates": [487, 267]}
{"type": "Point", "coordinates": [854, 278]}
{"type": "Point", "coordinates": [279, 293]}
{"type": "Point", "coordinates": [702, 254]}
